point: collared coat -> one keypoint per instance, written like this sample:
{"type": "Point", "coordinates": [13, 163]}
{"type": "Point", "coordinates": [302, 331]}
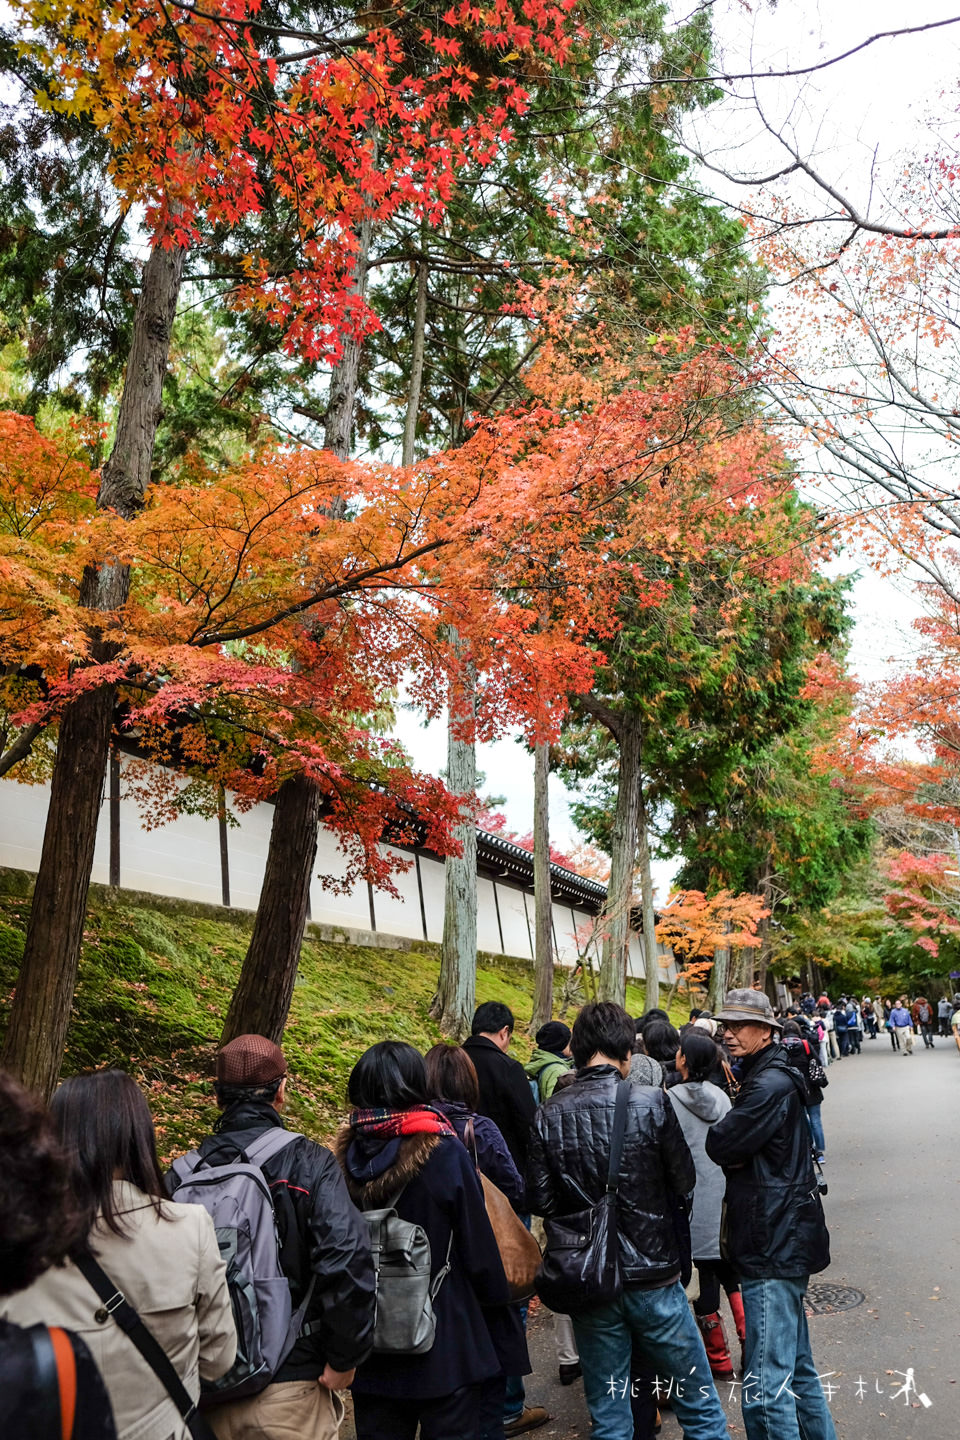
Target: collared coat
{"type": "Point", "coordinates": [773, 1224]}
{"type": "Point", "coordinates": [171, 1272]}
{"type": "Point", "coordinates": [505, 1095]}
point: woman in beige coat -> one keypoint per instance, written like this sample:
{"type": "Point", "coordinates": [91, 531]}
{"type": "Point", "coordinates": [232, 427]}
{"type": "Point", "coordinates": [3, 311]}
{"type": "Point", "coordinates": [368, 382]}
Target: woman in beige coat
{"type": "Point", "coordinates": [164, 1257]}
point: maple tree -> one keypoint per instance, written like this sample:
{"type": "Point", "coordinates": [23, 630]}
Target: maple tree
{"type": "Point", "coordinates": [696, 927]}
{"type": "Point", "coordinates": [205, 116]}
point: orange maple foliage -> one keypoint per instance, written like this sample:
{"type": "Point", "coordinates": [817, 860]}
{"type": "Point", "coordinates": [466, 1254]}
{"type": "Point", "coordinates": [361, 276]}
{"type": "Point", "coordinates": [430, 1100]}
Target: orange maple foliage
{"type": "Point", "coordinates": [521, 542]}
{"type": "Point", "coordinates": [207, 108]}
{"type": "Point", "coordinates": [694, 926]}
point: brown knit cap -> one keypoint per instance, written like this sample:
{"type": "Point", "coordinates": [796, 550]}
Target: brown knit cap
{"type": "Point", "coordinates": [250, 1060]}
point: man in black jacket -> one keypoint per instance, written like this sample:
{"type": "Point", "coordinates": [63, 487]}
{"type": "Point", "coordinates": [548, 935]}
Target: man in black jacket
{"type": "Point", "coordinates": [505, 1093]}
{"type": "Point", "coordinates": [322, 1237]}
{"type": "Point", "coordinates": [569, 1159]}
{"type": "Point", "coordinates": [507, 1099]}
{"type": "Point", "coordinates": [773, 1233]}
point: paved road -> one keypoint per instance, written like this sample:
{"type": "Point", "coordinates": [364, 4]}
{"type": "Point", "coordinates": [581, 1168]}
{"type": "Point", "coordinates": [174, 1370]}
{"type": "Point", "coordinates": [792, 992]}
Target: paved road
{"type": "Point", "coordinates": [893, 1166]}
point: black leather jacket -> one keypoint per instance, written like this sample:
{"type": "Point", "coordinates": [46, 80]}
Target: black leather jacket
{"type": "Point", "coordinates": [570, 1152]}
{"type": "Point", "coordinates": [773, 1224]}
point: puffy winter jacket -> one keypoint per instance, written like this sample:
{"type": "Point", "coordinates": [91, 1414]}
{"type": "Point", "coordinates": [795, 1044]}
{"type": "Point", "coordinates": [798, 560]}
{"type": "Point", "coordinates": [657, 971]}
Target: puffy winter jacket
{"type": "Point", "coordinates": [544, 1069]}
{"type": "Point", "coordinates": [570, 1153]}
{"type": "Point", "coordinates": [773, 1224]}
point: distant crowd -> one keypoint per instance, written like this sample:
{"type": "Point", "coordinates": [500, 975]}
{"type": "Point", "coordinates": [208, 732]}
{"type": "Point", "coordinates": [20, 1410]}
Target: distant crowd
{"type": "Point", "coordinates": [839, 1026]}
{"type": "Point", "coordinates": [632, 1175]}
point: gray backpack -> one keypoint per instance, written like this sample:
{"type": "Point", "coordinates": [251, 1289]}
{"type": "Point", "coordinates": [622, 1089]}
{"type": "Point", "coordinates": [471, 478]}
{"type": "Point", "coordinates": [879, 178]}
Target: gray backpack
{"type": "Point", "coordinates": [236, 1196]}
{"type": "Point", "coordinates": [406, 1322]}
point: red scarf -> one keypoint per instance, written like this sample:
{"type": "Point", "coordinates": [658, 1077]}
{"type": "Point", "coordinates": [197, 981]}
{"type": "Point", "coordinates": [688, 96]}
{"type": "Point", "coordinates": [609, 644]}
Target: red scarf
{"type": "Point", "coordinates": [390, 1123]}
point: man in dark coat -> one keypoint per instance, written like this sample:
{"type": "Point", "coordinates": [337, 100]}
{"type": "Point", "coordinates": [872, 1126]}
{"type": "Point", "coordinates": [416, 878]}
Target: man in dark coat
{"type": "Point", "coordinates": [322, 1237]}
{"type": "Point", "coordinates": [505, 1093]}
{"type": "Point", "coordinates": [773, 1231]}
{"type": "Point", "coordinates": [507, 1099]}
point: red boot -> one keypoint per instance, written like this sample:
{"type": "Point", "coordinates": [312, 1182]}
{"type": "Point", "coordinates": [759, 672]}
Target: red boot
{"type": "Point", "coordinates": [736, 1305]}
{"type": "Point", "coordinates": [715, 1343]}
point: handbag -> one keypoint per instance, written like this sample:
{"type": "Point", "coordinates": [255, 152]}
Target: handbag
{"type": "Point", "coordinates": [519, 1252]}
{"type": "Point", "coordinates": [581, 1262]}
{"type": "Point", "coordinates": [116, 1304]}
{"type": "Point", "coordinates": [55, 1366]}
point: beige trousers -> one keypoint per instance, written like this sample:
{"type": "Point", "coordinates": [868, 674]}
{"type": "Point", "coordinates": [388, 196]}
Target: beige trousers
{"type": "Point", "coordinates": [906, 1035]}
{"type": "Point", "coordinates": [292, 1410]}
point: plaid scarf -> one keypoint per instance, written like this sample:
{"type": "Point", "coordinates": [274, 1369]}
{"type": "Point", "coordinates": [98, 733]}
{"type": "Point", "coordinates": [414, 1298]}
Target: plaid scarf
{"type": "Point", "coordinates": [421, 1120]}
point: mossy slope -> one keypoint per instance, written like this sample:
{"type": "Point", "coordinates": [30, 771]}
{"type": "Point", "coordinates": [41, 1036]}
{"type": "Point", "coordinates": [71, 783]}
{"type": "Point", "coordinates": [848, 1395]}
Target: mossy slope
{"type": "Point", "coordinates": [156, 977]}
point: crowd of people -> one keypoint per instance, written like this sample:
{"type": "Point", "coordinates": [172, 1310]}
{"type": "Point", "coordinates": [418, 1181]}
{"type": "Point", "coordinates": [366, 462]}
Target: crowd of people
{"type": "Point", "coordinates": [838, 1027]}
{"type": "Point", "coordinates": [242, 1293]}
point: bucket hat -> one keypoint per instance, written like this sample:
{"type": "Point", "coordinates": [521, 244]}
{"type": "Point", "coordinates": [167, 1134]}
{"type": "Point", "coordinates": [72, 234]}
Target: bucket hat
{"type": "Point", "coordinates": [750, 1005]}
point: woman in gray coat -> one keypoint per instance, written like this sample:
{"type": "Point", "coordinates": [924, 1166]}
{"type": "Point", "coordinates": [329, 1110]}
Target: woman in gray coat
{"type": "Point", "coordinates": [698, 1105]}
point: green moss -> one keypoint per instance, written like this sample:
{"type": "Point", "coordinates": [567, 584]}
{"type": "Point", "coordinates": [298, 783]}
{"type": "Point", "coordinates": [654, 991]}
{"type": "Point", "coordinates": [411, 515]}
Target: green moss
{"type": "Point", "coordinates": [155, 982]}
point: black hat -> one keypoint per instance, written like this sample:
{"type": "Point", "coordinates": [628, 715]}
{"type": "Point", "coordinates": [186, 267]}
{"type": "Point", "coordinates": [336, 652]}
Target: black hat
{"type": "Point", "coordinates": [553, 1036]}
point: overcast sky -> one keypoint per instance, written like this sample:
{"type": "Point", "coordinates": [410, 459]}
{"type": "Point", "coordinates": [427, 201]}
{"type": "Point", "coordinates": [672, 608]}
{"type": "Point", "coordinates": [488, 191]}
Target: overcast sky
{"type": "Point", "coordinates": [864, 112]}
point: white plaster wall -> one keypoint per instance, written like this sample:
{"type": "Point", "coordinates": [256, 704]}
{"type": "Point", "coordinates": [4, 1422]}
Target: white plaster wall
{"type": "Point", "coordinates": [23, 814]}
{"type": "Point", "coordinates": [247, 846]}
{"type": "Point", "coordinates": [488, 931]}
{"type": "Point", "coordinates": [400, 917]}
{"type": "Point", "coordinates": [326, 906]}
{"type": "Point", "coordinates": [513, 917]}
{"type": "Point", "coordinates": [183, 859]}
{"type": "Point", "coordinates": [180, 859]}
{"type": "Point", "coordinates": [564, 933]}
{"type": "Point", "coordinates": [431, 873]}
{"type": "Point", "coordinates": [635, 966]}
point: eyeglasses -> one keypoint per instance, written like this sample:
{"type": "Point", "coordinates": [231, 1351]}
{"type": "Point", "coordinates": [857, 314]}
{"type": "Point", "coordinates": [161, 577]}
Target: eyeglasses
{"type": "Point", "coordinates": [735, 1025]}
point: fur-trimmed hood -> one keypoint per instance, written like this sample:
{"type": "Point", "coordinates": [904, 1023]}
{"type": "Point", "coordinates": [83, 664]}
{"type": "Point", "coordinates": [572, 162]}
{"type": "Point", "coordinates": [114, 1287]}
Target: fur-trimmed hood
{"type": "Point", "coordinates": [403, 1159]}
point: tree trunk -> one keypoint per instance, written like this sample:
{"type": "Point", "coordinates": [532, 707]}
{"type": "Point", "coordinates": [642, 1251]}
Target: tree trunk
{"type": "Point", "coordinates": [40, 1013]}
{"type": "Point", "coordinates": [615, 917]}
{"type": "Point", "coordinates": [416, 367]}
{"type": "Point", "coordinates": [261, 1001]}
{"type": "Point", "coordinates": [543, 900]}
{"type": "Point", "coordinates": [453, 1004]}
{"type": "Point", "coordinates": [37, 1030]}
{"type": "Point", "coordinates": [766, 891]}
{"type": "Point", "coordinates": [273, 955]}
{"type": "Point", "coordinates": [651, 951]}
{"type": "Point", "coordinates": [718, 980]}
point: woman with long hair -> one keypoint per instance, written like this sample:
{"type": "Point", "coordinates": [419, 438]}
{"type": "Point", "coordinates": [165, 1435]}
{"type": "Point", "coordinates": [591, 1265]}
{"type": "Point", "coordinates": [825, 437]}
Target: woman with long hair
{"type": "Point", "coordinates": [163, 1257]}
{"type": "Point", "coordinates": [399, 1149]}
{"type": "Point", "coordinates": [453, 1087]}
{"type": "Point", "coordinates": [699, 1104]}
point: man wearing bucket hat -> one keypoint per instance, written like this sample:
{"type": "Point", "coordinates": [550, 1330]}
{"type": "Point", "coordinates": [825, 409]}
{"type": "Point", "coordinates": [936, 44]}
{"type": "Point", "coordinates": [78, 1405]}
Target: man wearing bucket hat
{"type": "Point", "coordinates": [773, 1231]}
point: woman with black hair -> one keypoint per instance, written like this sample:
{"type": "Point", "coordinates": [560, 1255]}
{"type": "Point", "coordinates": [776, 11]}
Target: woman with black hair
{"type": "Point", "coordinates": [698, 1104]}
{"type": "Point", "coordinates": [398, 1149]}
{"type": "Point", "coordinates": [660, 1040]}
{"type": "Point", "coordinates": [163, 1257]}
{"type": "Point", "coordinates": [49, 1385]}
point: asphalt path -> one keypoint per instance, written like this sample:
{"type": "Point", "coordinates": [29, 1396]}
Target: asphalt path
{"type": "Point", "coordinates": [893, 1207]}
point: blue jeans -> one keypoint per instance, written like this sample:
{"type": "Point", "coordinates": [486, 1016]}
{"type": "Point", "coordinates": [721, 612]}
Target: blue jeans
{"type": "Point", "coordinates": [515, 1398]}
{"type": "Point", "coordinates": [816, 1128]}
{"type": "Point", "coordinates": [657, 1327]}
{"type": "Point", "coordinates": [782, 1396]}
{"type": "Point", "coordinates": [515, 1394]}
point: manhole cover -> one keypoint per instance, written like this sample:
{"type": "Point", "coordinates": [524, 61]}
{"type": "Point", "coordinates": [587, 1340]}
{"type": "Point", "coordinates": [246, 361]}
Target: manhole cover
{"type": "Point", "coordinates": [828, 1299]}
